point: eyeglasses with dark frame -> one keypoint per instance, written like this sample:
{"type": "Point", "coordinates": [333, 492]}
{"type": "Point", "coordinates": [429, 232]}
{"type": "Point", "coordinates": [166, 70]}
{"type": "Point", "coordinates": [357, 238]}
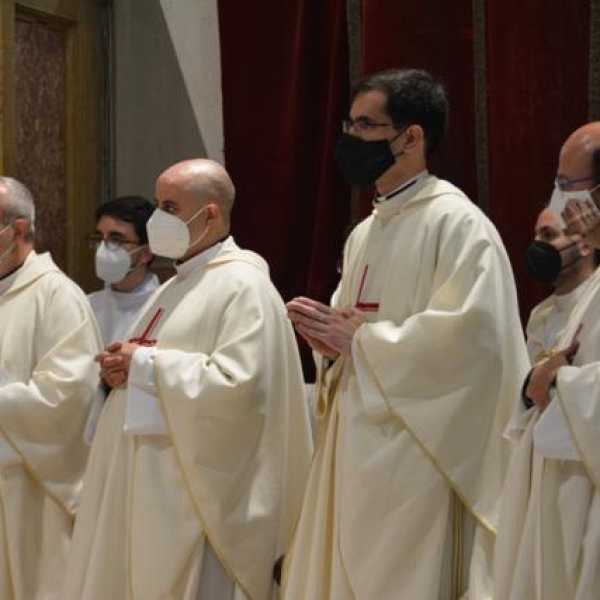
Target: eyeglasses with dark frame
{"type": "Point", "coordinates": [565, 184]}
{"type": "Point", "coordinates": [112, 241]}
{"type": "Point", "coordinates": [363, 125]}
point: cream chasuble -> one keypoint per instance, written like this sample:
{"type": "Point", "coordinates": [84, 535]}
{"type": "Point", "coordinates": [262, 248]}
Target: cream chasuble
{"type": "Point", "coordinates": [217, 468]}
{"type": "Point", "coordinates": [48, 377]}
{"type": "Point", "coordinates": [410, 453]}
{"type": "Point", "coordinates": [549, 541]}
{"type": "Point", "coordinates": [548, 319]}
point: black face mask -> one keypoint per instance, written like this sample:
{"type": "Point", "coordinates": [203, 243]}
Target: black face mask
{"type": "Point", "coordinates": [544, 262]}
{"type": "Point", "coordinates": [362, 163]}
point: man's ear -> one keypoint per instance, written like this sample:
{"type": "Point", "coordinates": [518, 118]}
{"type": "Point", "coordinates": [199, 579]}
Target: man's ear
{"type": "Point", "coordinates": [147, 255]}
{"type": "Point", "coordinates": [585, 249]}
{"type": "Point", "coordinates": [212, 212]}
{"type": "Point", "coordinates": [415, 137]}
{"type": "Point", "coordinates": [21, 228]}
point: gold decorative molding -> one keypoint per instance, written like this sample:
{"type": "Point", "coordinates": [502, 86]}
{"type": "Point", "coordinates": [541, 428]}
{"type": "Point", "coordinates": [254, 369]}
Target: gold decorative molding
{"type": "Point", "coordinates": [354, 24]}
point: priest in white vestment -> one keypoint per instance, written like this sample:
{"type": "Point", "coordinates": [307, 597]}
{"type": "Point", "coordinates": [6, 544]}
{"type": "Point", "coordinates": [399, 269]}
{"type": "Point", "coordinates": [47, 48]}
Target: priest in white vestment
{"type": "Point", "coordinates": [197, 469]}
{"type": "Point", "coordinates": [123, 263]}
{"type": "Point", "coordinates": [417, 358]}
{"type": "Point", "coordinates": [549, 539]}
{"type": "Point", "coordinates": [569, 277]}
{"type": "Point", "coordinates": [48, 378]}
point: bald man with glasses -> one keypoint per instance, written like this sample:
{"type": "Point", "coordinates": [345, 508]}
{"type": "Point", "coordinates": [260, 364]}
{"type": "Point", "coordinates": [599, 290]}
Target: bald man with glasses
{"type": "Point", "coordinates": [549, 538]}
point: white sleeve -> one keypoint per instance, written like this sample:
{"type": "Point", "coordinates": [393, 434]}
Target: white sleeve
{"type": "Point", "coordinates": [8, 456]}
{"type": "Point", "coordinates": [143, 414]}
{"type": "Point", "coordinates": [551, 434]}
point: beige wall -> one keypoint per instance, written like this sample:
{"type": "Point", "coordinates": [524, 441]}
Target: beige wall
{"type": "Point", "coordinates": [167, 88]}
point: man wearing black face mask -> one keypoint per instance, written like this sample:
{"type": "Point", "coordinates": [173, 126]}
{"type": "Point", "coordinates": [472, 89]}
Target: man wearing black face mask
{"type": "Point", "coordinates": [566, 264]}
{"type": "Point", "coordinates": [548, 544]}
{"type": "Point", "coordinates": [419, 359]}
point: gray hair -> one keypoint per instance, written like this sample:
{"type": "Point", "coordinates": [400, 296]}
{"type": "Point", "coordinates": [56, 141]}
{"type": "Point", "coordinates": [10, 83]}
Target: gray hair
{"type": "Point", "coordinates": [18, 203]}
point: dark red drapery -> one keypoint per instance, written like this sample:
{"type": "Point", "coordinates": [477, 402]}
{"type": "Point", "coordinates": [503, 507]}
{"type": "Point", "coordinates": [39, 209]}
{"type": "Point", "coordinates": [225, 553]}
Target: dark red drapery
{"type": "Point", "coordinates": [537, 94]}
{"type": "Point", "coordinates": [285, 89]}
{"type": "Point", "coordinates": [534, 70]}
{"type": "Point", "coordinates": [436, 36]}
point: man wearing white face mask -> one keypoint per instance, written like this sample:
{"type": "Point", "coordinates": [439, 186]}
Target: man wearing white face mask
{"type": "Point", "coordinates": [123, 262]}
{"type": "Point", "coordinates": [548, 545]}
{"type": "Point", "coordinates": [200, 459]}
{"type": "Point", "coordinates": [48, 379]}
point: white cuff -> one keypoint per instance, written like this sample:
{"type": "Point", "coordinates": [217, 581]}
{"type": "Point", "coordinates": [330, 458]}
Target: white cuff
{"type": "Point", "coordinates": [143, 414]}
{"type": "Point", "coordinates": [8, 456]}
{"type": "Point", "coordinates": [551, 434]}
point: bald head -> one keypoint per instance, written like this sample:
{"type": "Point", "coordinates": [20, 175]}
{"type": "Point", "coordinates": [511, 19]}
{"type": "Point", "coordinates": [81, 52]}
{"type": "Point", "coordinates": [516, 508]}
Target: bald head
{"type": "Point", "coordinates": [200, 193]}
{"type": "Point", "coordinates": [577, 156]}
{"type": "Point", "coordinates": [202, 179]}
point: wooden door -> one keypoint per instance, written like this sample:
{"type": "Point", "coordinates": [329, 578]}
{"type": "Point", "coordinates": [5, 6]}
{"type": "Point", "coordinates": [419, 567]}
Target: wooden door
{"type": "Point", "coordinates": [51, 123]}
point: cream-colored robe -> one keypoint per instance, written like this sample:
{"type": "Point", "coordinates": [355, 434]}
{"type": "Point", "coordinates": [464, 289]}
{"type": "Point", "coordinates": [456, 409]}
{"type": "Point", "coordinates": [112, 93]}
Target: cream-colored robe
{"type": "Point", "coordinates": [116, 312]}
{"type": "Point", "coordinates": [230, 467]}
{"type": "Point", "coordinates": [410, 445]}
{"type": "Point", "coordinates": [549, 539]}
{"type": "Point", "coordinates": [48, 340]}
{"type": "Point", "coordinates": [547, 320]}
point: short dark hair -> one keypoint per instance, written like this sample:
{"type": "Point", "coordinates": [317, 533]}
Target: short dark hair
{"type": "Point", "coordinates": [131, 209]}
{"type": "Point", "coordinates": [414, 97]}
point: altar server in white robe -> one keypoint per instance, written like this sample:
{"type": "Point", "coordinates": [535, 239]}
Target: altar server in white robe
{"type": "Point", "coordinates": [48, 377]}
{"type": "Point", "coordinates": [123, 263]}
{"type": "Point", "coordinates": [549, 542]}
{"type": "Point", "coordinates": [417, 358]}
{"type": "Point", "coordinates": [569, 278]}
{"type": "Point", "coordinates": [200, 458]}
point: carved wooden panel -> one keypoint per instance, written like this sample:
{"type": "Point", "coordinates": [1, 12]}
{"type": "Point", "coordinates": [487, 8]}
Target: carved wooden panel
{"type": "Point", "coordinates": [40, 89]}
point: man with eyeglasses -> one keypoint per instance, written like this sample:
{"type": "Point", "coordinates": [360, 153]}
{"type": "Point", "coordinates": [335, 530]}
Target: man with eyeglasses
{"type": "Point", "coordinates": [417, 357]}
{"type": "Point", "coordinates": [122, 262]}
{"type": "Point", "coordinates": [48, 380]}
{"type": "Point", "coordinates": [549, 538]}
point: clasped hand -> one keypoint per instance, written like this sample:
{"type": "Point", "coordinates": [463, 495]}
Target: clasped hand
{"type": "Point", "coordinates": [327, 330]}
{"type": "Point", "coordinates": [543, 375]}
{"type": "Point", "coordinates": [581, 217]}
{"type": "Point", "coordinates": [115, 361]}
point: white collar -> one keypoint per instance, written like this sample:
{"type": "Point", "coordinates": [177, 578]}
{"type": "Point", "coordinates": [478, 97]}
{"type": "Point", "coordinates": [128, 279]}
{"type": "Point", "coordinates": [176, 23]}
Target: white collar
{"type": "Point", "coordinates": [403, 187]}
{"type": "Point", "coordinates": [198, 261]}
{"type": "Point", "coordinates": [6, 283]}
{"type": "Point", "coordinates": [565, 302]}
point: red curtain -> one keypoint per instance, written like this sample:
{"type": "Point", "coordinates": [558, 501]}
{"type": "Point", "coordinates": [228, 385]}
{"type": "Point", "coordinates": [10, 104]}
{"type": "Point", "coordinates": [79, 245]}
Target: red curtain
{"type": "Point", "coordinates": [437, 36]}
{"type": "Point", "coordinates": [535, 73]}
{"type": "Point", "coordinates": [285, 91]}
{"type": "Point", "coordinates": [537, 62]}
